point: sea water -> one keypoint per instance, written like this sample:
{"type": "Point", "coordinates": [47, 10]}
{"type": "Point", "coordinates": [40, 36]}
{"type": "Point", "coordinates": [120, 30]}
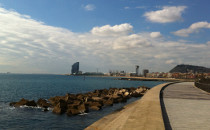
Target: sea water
{"type": "Point", "coordinates": [13, 87]}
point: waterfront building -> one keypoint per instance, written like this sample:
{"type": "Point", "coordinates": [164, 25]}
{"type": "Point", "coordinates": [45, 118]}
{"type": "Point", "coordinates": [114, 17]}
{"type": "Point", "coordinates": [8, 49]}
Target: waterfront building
{"type": "Point", "coordinates": [122, 73]}
{"type": "Point", "coordinates": [132, 73]}
{"type": "Point", "coordinates": [75, 68]}
{"type": "Point", "coordinates": [117, 73]}
{"type": "Point", "coordinates": [177, 75]}
{"type": "Point", "coordinates": [137, 70]}
{"type": "Point", "coordinates": [145, 71]}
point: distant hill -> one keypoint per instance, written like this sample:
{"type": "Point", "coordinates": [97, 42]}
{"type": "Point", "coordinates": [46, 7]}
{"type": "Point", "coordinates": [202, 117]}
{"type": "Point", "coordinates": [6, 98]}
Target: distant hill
{"type": "Point", "coordinates": [190, 68]}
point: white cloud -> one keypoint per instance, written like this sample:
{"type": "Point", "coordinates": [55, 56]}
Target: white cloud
{"type": "Point", "coordinates": [161, 56]}
{"type": "Point", "coordinates": [90, 7]}
{"type": "Point", "coordinates": [116, 30]}
{"type": "Point", "coordinates": [195, 27]}
{"type": "Point", "coordinates": [130, 42]}
{"type": "Point", "coordinates": [34, 47]}
{"type": "Point", "coordinates": [155, 34]}
{"type": "Point", "coordinates": [126, 7]}
{"type": "Point", "coordinates": [166, 15]}
{"type": "Point", "coordinates": [170, 62]}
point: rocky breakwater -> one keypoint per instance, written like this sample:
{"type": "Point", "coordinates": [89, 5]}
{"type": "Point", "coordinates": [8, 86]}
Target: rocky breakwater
{"type": "Point", "coordinates": [73, 104]}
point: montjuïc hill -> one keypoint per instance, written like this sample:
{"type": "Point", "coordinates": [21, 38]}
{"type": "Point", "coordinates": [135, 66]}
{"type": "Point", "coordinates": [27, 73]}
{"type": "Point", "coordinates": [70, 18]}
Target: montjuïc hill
{"type": "Point", "coordinates": [182, 68]}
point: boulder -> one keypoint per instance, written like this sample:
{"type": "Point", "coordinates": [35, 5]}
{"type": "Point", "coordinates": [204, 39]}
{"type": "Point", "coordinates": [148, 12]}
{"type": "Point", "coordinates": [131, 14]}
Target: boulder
{"type": "Point", "coordinates": [102, 95]}
{"type": "Point", "coordinates": [93, 105]}
{"type": "Point", "coordinates": [145, 90]}
{"type": "Point", "coordinates": [21, 102]}
{"type": "Point", "coordinates": [107, 97]}
{"type": "Point", "coordinates": [96, 108]}
{"type": "Point", "coordinates": [70, 101]}
{"type": "Point", "coordinates": [104, 91]}
{"type": "Point", "coordinates": [55, 100]}
{"type": "Point", "coordinates": [70, 97]}
{"type": "Point", "coordinates": [72, 106]}
{"type": "Point", "coordinates": [135, 94]}
{"type": "Point", "coordinates": [89, 94]}
{"type": "Point", "coordinates": [77, 102]}
{"type": "Point", "coordinates": [126, 93]}
{"type": "Point", "coordinates": [82, 108]}
{"type": "Point", "coordinates": [12, 103]}
{"type": "Point", "coordinates": [108, 102]}
{"type": "Point", "coordinates": [86, 99]}
{"type": "Point", "coordinates": [139, 90]}
{"type": "Point", "coordinates": [122, 90]}
{"type": "Point", "coordinates": [131, 89]}
{"type": "Point", "coordinates": [67, 97]}
{"type": "Point", "coordinates": [123, 98]}
{"type": "Point", "coordinates": [60, 107]}
{"type": "Point", "coordinates": [80, 97]}
{"type": "Point", "coordinates": [43, 103]}
{"type": "Point", "coordinates": [31, 103]}
{"type": "Point", "coordinates": [76, 109]}
{"type": "Point", "coordinates": [116, 98]}
{"type": "Point", "coordinates": [95, 94]}
{"type": "Point", "coordinates": [113, 91]}
{"type": "Point", "coordinates": [97, 99]}
{"type": "Point", "coordinates": [72, 111]}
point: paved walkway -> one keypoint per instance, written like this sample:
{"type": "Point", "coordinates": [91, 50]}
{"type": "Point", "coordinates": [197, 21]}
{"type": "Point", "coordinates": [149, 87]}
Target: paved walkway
{"type": "Point", "coordinates": [187, 107]}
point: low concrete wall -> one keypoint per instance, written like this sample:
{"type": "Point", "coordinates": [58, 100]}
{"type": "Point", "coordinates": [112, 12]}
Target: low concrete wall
{"type": "Point", "coordinates": [142, 114]}
{"type": "Point", "coordinates": [205, 87]}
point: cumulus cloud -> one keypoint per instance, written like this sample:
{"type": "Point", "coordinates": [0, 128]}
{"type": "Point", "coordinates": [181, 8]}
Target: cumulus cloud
{"type": "Point", "coordinates": [166, 15]}
{"type": "Point", "coordinates": [195, 27]}
{"type": "Point", "coordinates": [90, 7]}
{"type": "Point", "coordinates": [31, 46]}
{"type": "Point", "coordinates": [116, 30]}
{"type": "Point", "coordinates": [155, 34]}
{"type": "Point", "coordinates": [130, 42]}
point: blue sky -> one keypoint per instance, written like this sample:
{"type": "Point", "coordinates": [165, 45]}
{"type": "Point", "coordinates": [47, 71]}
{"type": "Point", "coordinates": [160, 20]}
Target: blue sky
{"type": "Point", "coordinates": [49, 36]}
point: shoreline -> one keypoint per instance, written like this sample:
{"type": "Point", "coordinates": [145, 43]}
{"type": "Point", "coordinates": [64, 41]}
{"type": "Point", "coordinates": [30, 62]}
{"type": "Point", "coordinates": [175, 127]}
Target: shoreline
{"type": "Point", "coordinates": [147, 79]}
{"type": "Point", "coordinates": [156, 79]}
{"type": "Point", "coordinates": [144, 113]}
{"type": "Point", "coordinates": [74, 104]}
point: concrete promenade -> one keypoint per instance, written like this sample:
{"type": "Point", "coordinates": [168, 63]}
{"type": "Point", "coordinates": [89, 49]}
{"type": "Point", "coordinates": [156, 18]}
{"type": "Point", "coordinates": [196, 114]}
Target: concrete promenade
{"type": "Point", "coordinates": [187, 107]}
{"type": "Point", "coordinates": [143, 114]}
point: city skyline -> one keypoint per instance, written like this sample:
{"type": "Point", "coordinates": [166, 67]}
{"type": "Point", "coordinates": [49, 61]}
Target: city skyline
{"type": "Point", "coordinates": [49, 36]}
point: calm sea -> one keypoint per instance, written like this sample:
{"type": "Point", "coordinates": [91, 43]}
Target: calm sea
{"type": "Point", "coordinates": [13, 87]}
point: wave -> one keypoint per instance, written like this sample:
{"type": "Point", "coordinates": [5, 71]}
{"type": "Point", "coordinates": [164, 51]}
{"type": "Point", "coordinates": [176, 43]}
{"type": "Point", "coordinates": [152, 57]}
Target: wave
{"type": "Point", "coordinates": [82, 114]}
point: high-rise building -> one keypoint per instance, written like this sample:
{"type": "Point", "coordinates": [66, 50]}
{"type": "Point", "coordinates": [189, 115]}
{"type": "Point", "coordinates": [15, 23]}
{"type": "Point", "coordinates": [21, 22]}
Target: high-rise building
{"type": "Point", "coordinates": [145, 71]}
{"type": "Point", "coordinates": [137, 70]}
{"type": "Point", "coordinates": [75, 68]}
